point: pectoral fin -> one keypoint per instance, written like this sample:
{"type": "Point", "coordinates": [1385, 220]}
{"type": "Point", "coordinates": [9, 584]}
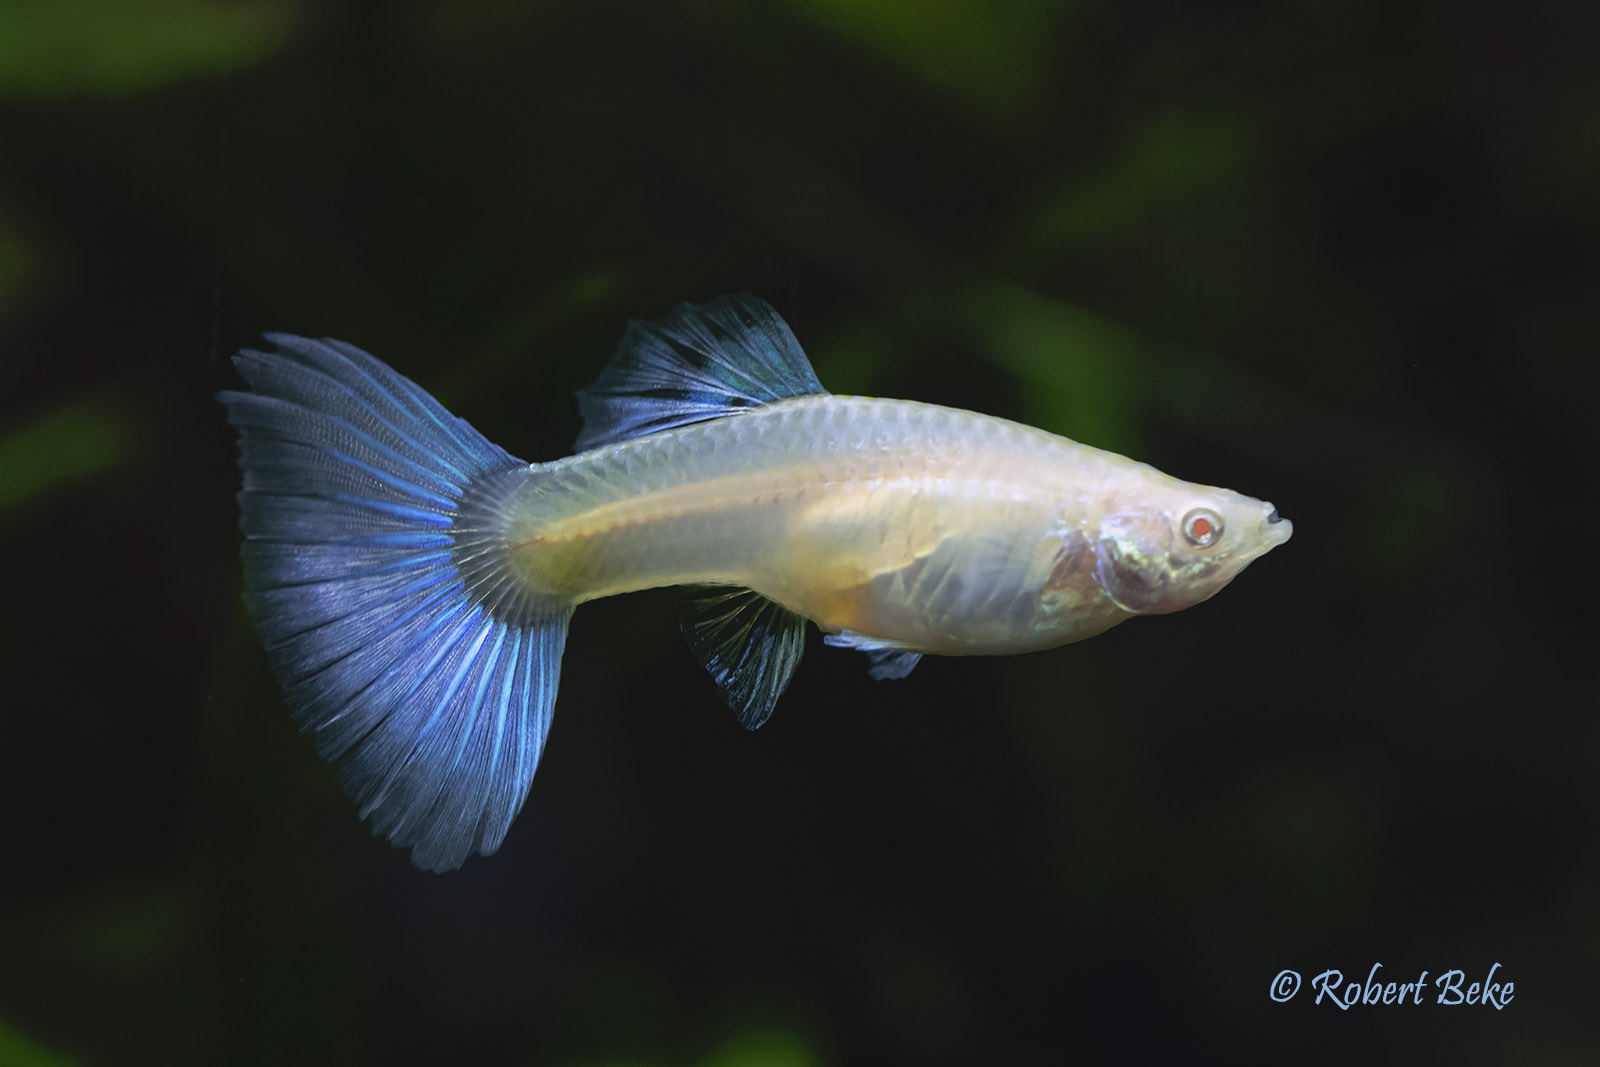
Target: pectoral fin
{"type": "Point", "coordinates": [887, 659]}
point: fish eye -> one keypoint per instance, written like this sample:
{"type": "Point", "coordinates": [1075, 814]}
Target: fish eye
{"type": "Point", "coordinates": [1202, 527]}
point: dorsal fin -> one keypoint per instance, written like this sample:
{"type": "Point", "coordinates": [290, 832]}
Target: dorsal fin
{"type": "Point", "coordinates": [701, 362]}
{"type": "Point", "coordinates": [751, 646]}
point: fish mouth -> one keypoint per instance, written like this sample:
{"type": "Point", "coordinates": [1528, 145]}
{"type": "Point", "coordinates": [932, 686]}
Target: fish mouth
{"type": "Point", "coordinates": [1275, 529]}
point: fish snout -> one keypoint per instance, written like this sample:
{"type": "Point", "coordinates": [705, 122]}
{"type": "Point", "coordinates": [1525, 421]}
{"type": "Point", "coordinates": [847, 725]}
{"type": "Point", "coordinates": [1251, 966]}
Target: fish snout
{"type": "Point", "coordinates": [1275, 529]}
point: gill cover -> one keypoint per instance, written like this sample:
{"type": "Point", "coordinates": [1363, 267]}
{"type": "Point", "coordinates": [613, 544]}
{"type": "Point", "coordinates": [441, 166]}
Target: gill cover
{"type": "Point", "coordinates": [1133, 563]}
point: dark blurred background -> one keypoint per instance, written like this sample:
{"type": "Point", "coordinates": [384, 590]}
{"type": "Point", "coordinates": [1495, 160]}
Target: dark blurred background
{"type": "Point", "coordinates": [1342, 256]}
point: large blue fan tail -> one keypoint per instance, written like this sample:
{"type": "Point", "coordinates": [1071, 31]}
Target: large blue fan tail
{"type": "Point", "coordinates": [378, 577]}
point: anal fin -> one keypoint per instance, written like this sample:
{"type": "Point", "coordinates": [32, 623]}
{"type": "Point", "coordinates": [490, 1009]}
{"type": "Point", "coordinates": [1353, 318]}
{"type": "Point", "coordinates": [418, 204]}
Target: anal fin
{"type": "Point", "coordinates": [751, 646]}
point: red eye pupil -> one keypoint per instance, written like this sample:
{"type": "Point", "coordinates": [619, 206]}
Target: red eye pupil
{"type": "Point", "coordinates": [1201, 529]}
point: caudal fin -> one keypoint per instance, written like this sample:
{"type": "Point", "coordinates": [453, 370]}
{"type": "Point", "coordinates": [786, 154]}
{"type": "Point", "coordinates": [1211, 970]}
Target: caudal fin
{"type": "Point", "coordinates": [379, 580]}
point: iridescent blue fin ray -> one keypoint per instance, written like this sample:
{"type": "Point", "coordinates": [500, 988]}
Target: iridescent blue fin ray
{"type": "Point", "coordinates": [378, 577]}
{"type": "Point", "coordinates": [751, 646]}
{"type": "Point", "coordinates": [886, 660]}
{"type": "Point", "coordinates": [701, 362]}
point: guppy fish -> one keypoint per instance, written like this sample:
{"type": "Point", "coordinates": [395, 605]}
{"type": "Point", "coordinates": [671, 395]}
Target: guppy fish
{"type": "Point", "coordinates": [413, 583]}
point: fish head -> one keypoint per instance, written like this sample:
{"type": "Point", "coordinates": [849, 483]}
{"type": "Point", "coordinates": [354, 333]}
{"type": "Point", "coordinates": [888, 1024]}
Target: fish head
{"type": "Point", "coordinates": [1171, 549]}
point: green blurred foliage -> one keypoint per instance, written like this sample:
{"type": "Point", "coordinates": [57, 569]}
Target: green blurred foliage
{"type": "Point", "coordinates": [17, 1049]}
{"type": "Point", "coordinates": [73, 441]}
{"type": "Point", "coordinates": [16, 261]}
{"type": "Point", "coordinates": [763, 1048]}
{"type": "Point", "coordinates": [989, 54]}
{"type": "Point", "coordinates": [1078, 372]}
{"type": "Point", "coordinates": [1169, 158]}
{"type": "Point", "coordinates": [113, 47]}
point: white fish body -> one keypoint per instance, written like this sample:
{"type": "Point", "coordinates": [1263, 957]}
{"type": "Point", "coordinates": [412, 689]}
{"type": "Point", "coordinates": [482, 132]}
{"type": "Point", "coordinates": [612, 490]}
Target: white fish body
{"type": "Point", "coordinates": [927, 528]}
{"type": "Point", "coordinates": [413, 582]}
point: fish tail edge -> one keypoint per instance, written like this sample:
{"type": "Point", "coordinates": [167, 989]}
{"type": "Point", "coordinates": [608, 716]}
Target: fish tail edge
{"type": "Point", "coordinates": [379, 577]}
